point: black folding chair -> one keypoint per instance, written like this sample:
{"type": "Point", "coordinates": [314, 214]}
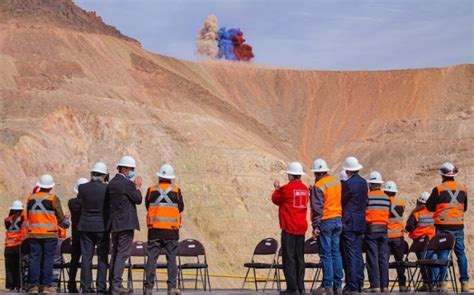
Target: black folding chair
{"type": "Point", "coordinates": [24, 264]}
{"type": "Point", "coordinates": [311, 249]}
{"type": "Point", "coordinates": [194, 250]}
{"type": "Point", "coordinates": [418, 246]}
{"type": "Point", "coordinates": [394, 265]}
{"type": "Point", "coordinates": [64, 248]}
{"type": "Point", "coordinates": [277, 268]}
{"type": "Point", "coordinates": [137, 251]}
{"type": "Point", "coordinates": [266, 247]}
{"type": "Point", "coordinates": [441, 242]}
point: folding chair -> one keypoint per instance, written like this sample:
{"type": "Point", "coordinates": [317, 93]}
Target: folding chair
{"type": "Point", "coordinates": [24, 263]}
{"type": "Point", "coordinates": [441, 242]}
{"type": "Point", "coordinates": [138, 250]}
{"type": "Point", "coordinates": [394, 265]}
{"type": "Point", "coordinates": [266, 247]}
{"type": "Point", "coordinates": [311, 248]}
{"type": "Point", "coordinates": [64, 248]}
{"type": "Point", "coordinates": [195, 250]}
{"type": "Point", "coordinates": [277, 267]}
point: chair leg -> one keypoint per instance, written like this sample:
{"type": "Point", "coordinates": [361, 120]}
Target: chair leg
{"type": "Point", "coordinates": [245, 279]}
{"type": "Point", "coordinates": [267, 278]}
{"type": "Point", "coordinates": [208, 279]}
{"type": "Point", "coordinates": [255, 279]}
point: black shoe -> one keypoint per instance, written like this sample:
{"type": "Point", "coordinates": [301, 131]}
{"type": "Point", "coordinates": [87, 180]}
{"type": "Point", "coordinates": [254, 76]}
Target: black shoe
{"type": "Point", "coordinates": [289, 292]}
{"type": "Point", "coordinates": [121, 290]}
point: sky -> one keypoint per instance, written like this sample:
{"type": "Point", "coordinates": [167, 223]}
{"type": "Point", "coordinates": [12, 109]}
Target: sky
{"type": "Point", "coordinates": [307, 34]}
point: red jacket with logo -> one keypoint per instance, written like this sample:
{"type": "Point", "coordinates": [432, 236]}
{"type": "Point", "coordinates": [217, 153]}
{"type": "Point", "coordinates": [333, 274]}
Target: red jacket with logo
{"type": "Point", "coordinates": [292, 199]}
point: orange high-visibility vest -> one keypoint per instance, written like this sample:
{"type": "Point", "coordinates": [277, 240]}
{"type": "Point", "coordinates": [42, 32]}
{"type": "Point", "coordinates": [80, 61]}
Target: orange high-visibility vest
{"type": "Point", "coordinates": [395, 222]}
{"type": "Point", "coordinates": [163, 213]}
{"type": "Point", "coordinates": [41, 215]}
{"type": "Point", "coordinates": [331, 188]}
{"type": "Point", "coordinates": [378, 208]}
{"type": "Point", "coordinates": [14, 235]}
{"type": "Point", "coordinates": [424, 226]}
{"type": "Point", "coordinates": [451, 213]}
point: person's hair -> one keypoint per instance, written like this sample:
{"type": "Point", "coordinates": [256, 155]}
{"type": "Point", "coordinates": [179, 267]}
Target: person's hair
{"type": "Point", "coordinates": [447, 178]}
{"type": "Point", "coordinates": [296, 176]}
{"type": "Point", "coordinates": [391, 194]}
{"type": "Point", "coordinates": [319, 174]}
{"type": "Point", "coordinates": [350, 173]}
{"type": "Point", "coordinates": [14, 212]}
{"type": "Point", "coordinates": [97, 176]}
{"type": "Point", "coordinates": [45, 190]}
{"type": "Point", "coordinates": [374, 186]}
{"type": "Point", "coordinates": [161, 179]}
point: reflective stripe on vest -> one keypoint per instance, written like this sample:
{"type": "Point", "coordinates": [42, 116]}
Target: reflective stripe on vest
{"type": "Point", "coordinates": [378, 208]}
{"type": "Point", "coordinates": [394, 212]}
{"type": "Point", "coordinates": [454, 203]}
{"type": "Point", "coordinates": [426, 220]}
{"type": "Point", "coordinates": [38, 224]}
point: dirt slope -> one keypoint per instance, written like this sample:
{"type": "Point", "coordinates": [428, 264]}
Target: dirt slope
{"type": "Point", "coordinates": [74, 91]}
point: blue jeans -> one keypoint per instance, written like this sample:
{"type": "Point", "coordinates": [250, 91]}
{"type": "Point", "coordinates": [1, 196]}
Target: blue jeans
{"type": "Point", "coordinates": [429, 276]}
{"type": "Point", "coordinates": [41, 261]}
{"type": "Point", "coordinates": [352, 245]}
{"type": "Point", "coordinates": [460, 255]}
{"type": "Point", "coordinates": [329, 251]}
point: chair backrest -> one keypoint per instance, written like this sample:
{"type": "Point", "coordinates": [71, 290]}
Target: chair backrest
{"type": "Point", "coordinates": [190, 248]}
{"type": "Point", "coordinates": [268, 246]}
{"type": "Point", "coordinates": [138, 249]}
{"type": "Point", "coordinates": [66, 246]}
{"type": "Point", "coordinates": [440, 242]}
{"type": "Point", "coordinates": [419, 245]}
{"type": "Point", "coordinates": [311, 246]}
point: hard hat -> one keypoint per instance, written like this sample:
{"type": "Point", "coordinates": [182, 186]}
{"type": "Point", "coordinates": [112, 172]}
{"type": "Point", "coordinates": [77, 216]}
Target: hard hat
{"type": "Point", "coordinates": [351, 164]}
{"type": "Point", "coordinates": [17, 205]}
{"type": "Point", "coordinates": [343, 175]}
{"type": "Point", "coordinates": [127, 161]}
{"type": "Point", "coordinates": [80, 181]}
{"type": "Point", "coordinates": [423, 197]}
{"type": "Point", "coordinates": [448, 169]}
{"type": "Point", "coordinates": [45, 181]}
{"type": "Point", "coordinates": [390, 186]}
{"type": "Point", "coordinates": [295, 168]}
{"type": "Point", "coordinates": [166, 172]}
{"type": "Point", "coordinates": [375, 177]}
{"type": "Point", "coordinates": [99, 167]}
{"type": "Point", "coordinates": [319, 165]}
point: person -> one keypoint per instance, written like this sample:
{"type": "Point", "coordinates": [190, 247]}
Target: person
{"type": "Point", "coordinates": [376, 238]}
{"type": "Point", "coordinates": [420, 225]}
{"type": "Point", "coordinates": [44, 215]}
{"type": "Point", "coordinates": [92, 228]}
{"type": "Point", "coordinates": [396, 241]}
{"type": "Point", "coordinates": [325, 196]}
{"type": "Point", "coordinates": [292, 200]}
{"type": "Point", "coordinates": [15, 234]}
{"type": "Point", "coordinates": [122, 197]}
{"type": "Point", "coordinates": [74, 205]}
{"type": "Point", "coordinates": [164, 204]}
{"type": "Point", "coordinates": [354, 202]}
{"type": "Point", "coordinates": [448, 201]}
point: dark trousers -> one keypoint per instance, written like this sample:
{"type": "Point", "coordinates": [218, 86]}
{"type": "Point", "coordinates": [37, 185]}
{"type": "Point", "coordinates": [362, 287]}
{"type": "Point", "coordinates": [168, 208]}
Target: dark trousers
{"type": "Point", "coordinates": [12, 268]}
{"type": "Point", "coordinates": [41, 261]}
{"type": "Point", "coordinates": [154, 248]}
{"type": "Point", "coordinates": [377, 259]}
{"type": "Point", "coordinates": [354, 262]}
{"type": "Point", "coordinates": [397, 248]}
{"type": "Point", "coordinates": [89, 240]}
{"type": "Point", "coordinates": [292, 251]}
{"type": "Point", "coordinates": [75, 258]}
{"type": "Point", "coordinates": [121, 247]}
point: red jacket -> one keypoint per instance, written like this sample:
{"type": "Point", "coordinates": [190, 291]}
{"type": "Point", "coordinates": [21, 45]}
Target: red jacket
{"type": "Point", "coordinates": [292, 199]}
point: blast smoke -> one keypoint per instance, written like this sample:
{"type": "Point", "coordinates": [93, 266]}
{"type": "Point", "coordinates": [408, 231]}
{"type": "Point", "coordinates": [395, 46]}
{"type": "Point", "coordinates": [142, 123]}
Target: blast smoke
{"type": "Point", "coordinates": [206, 41]}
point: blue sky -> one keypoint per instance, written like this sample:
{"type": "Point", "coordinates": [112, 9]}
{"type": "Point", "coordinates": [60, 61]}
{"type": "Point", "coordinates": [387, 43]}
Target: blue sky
{"type": "Point", "coordinates": [308, 34]}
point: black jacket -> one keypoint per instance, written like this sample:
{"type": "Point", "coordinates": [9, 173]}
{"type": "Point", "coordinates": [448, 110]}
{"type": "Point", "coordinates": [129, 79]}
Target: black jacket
{"type": "Point", "coordinates": [122, 198]}
{"type": "Point", "coordinates": [75, 207]}
{"type": "Point", "coordinates": [354, 202]}
{"type": "Point", "coordinates": [93, 213]}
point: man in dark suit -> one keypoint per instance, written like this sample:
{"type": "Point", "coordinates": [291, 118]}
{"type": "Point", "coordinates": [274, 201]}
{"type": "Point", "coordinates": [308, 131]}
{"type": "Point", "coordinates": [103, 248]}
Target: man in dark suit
{"type": "Point", "coordinates": [123, 195]}
{"type": "Point", "coordinates": [75, 207]}
{"type": "Point", "coordinates": [92, 227]}
{"type": "Point", "coordinates": [354, 203]}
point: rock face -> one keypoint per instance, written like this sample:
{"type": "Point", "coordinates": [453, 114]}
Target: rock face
{"type": "Point", "coordinates": [74, 91]}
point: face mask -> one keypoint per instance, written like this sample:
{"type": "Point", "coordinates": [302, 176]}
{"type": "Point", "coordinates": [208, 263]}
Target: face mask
{"type": "Point", "coordinates": [131, 174]}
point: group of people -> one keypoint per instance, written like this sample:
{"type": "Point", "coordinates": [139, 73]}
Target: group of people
{"type": "Point", "coordinates": [351, 214]}
{"type": "Point", "coordinates": [103, 215]}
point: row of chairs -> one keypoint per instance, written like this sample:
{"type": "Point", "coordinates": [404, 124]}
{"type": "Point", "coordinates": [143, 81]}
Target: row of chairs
{"type": "Point", "coordinates": [415, 267]}
{"type": "Point", "coordinates": [191, 257]}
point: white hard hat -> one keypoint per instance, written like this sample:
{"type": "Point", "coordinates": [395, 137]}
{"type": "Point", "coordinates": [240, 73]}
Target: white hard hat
{"type": "Point", "coordinates": [166, 172]}
{"type": "Point", "coordinates": [127, 161]}
{"type": "Point", "coordinates": [319, 165]}
{"type": "Point", "coordinates": [343, 175]}
{"type": "Point", "coordinates": [390, 186]}
{"type": "Point", "coordinates": [448, 169]}
{"type": "Point", "coordinates": [45, 181]}
{"type": "Point", "coordinates": [80, 181]}
{"type": "Point", "coordinates": [295, 168]}
{"type": "Point", "coordinates": [423, 197]}
{"type": "Point", "coordinates": [351, 164]}
{"type": "Point", "coordinates": [375, 177]}
{"type": "Point", "coordinates": [99, 167]}
{"type": "Point", "coordinates": [17, 205]}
